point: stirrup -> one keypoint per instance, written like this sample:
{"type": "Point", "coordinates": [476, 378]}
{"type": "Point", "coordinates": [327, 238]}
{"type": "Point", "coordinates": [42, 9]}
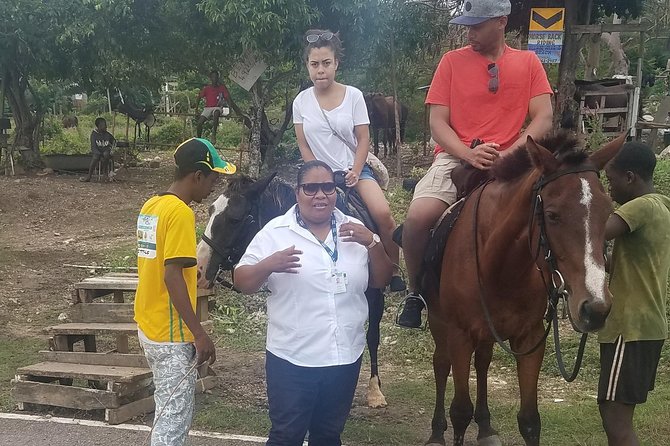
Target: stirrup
{"type": "Point", "coordinates": [401, 306]}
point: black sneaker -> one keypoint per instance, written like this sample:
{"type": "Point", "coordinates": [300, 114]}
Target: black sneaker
{"type": "Point", "coordinates": [410, 317]}
{"type": "Point", "coordinates": [397, 284]}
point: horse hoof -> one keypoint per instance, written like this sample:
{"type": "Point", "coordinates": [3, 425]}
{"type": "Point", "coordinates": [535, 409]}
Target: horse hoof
{"type": "Point", "coordinates": [493, 440]}
{"type": "Point", "coordinates": [376, 398]}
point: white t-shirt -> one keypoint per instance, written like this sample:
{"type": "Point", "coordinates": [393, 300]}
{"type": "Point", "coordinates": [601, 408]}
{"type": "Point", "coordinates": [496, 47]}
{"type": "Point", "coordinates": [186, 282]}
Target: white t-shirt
{"type": "Point", "coordinates": [326, 146]}
{"type": "Point", "coordinates": [309, 324]}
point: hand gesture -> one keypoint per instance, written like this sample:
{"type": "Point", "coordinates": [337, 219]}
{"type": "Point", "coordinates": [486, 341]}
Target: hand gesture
{"type": "Point", "coordinates": [204, 349]}
{"type": "Point", "coordinates": [284, 261]}
{"type": "Point", "coordinates": [354, 232]}
{"type": "Point", "coordinates": [484, 155]}
{"type": "Point", "coordinates": [351, 178]}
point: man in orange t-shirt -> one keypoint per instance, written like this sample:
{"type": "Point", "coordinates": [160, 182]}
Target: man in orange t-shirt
{"type": "Point", "coordinates": [481, 92]}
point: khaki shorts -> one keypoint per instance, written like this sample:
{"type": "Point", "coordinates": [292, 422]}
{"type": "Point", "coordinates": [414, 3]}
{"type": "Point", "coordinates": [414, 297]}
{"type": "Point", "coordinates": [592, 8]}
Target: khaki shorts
{"type": "Point", "coordinates": [436, 183]}
{"type": "Point", "coordinates": [207, 112]}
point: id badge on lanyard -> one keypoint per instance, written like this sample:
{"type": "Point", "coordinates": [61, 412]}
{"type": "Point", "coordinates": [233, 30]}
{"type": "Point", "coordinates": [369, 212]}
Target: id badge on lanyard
{"type": "Point", "coordinates": [339, 279]}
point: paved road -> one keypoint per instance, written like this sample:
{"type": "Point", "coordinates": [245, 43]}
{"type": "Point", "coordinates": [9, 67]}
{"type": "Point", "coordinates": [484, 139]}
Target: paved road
{"type": "Point", "coordinates": [40, 431]}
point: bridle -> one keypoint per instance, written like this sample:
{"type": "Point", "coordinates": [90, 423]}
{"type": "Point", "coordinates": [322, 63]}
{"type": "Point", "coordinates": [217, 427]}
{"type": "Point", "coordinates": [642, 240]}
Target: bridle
{"type": "Point", "coordinates": [555, 287]}
{"type": "Point", "coordinates": [235, 253]}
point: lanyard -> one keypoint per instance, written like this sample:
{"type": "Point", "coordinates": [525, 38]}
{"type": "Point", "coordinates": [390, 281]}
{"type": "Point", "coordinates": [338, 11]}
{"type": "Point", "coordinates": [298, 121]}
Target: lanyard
{"type": "Point", "coordinates": [331, 253]}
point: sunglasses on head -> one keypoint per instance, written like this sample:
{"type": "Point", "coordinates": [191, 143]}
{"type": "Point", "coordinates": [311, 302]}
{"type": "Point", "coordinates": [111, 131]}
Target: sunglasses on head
{"type": "Point", "coordinates": [312, 38]}
{"type": "Point", "coordinates": [493, 82]}
{"type": "Point", "coordinates": [311, 189]}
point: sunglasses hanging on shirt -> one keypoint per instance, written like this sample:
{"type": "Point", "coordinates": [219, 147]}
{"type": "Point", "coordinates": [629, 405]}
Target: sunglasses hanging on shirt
{"type": "Point", "coordinates": [493, 82]}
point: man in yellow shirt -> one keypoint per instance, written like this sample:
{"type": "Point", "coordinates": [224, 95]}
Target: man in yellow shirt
{"type": "Point", "coordinates": [173, 340]}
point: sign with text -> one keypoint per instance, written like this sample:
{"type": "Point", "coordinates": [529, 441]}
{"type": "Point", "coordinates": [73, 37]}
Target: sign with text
{"type": "Point", "coordinates": [247, 70]}
{"type": "Point", "coordinates": [547, 45]}
{"type": "Point", "coordinates": [545, 35]}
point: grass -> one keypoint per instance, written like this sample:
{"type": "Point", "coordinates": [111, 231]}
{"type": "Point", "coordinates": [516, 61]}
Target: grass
{"type": "Point", "coordinates": [217, 415]}
{"type": "Point", "coordinates": [15, 353]}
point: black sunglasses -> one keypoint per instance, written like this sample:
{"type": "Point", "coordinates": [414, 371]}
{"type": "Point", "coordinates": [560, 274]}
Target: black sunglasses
{"type": "Point", "coordinates": [311, 189]}
{"type": "Point", "coordinates": [493, 72]}
{"type": "Point", "coordinates": [311, 38]}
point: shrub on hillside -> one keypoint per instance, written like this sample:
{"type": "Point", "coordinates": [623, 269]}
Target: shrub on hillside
{"type": "Point", "coordinates": [172, 132]}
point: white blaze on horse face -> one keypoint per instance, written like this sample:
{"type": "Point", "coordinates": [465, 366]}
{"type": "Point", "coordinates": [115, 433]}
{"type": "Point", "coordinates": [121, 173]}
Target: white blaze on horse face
{"type": "Point", "coordinates": [594, 272]}
{"type": "Point", "coordinates": [204, 251]}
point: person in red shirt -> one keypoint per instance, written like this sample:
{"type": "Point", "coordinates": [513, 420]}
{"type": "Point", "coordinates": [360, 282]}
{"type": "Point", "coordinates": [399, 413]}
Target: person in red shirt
{"type": "Point", "coordinates": [217, 98]}
{"type": "Point", "coordinates": [481, 92]}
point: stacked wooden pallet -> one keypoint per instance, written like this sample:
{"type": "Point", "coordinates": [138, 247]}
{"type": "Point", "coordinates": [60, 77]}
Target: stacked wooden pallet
{"type": "Point", "coordinates": [117, 380]}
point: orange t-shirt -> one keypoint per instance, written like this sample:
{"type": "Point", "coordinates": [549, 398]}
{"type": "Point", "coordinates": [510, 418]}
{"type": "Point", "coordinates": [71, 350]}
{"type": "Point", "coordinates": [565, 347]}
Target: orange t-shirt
{"type": "Point", "coordinates": [461, 82]}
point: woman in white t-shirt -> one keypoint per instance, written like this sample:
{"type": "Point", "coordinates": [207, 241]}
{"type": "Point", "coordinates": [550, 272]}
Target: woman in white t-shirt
{"type": "Point", "coordinates": [331, 125]}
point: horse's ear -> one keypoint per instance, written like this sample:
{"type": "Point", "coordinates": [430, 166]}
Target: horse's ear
{"type": "Point", "coordinates": [541, 157]}
{"type": "Point", "coordinates": [608, 151]}
{"type": "Point", "coordinates": [257, 188]}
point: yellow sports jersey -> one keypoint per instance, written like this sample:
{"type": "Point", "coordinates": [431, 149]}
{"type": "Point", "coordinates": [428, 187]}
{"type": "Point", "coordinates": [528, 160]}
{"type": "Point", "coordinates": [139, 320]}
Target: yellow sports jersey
{"type": "Point", "coordinates": [165, 234]}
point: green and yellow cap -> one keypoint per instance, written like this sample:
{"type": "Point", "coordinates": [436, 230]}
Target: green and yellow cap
{"type": "Point", "coordinates": [199, 154]}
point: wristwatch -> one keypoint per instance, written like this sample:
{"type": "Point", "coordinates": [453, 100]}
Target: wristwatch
{"type": "Point", "coordinates": [375, 240]}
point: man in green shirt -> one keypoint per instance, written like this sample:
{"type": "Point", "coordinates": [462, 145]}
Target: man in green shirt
{"type": "Point", "coordinates": [633, 335]}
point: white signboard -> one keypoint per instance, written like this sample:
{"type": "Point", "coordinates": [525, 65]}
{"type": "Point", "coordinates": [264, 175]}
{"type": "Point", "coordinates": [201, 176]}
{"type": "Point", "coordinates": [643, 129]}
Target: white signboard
{"type": "Point", "coordinates": [547, 45]}
{"type": "Point", "coordinates": [247, 70]}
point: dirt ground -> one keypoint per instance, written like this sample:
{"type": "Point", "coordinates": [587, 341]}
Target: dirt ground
{"type": "Point", "coordinates": [52, 220]}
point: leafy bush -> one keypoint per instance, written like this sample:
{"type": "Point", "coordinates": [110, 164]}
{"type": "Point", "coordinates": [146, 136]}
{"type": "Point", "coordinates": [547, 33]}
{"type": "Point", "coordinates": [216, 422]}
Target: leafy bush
{"type": "Point", "coordinates": [172, 132]}
{"type": "Point", "coordinates": [68, 142]}
{"type": "Point", "coordinates": [52, 128]}
{"type": "Point", "coordinates": [97, 103]}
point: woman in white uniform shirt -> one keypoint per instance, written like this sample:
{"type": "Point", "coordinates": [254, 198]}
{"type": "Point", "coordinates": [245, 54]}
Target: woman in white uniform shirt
{"type": "Point", "coordinates": [317, 263]}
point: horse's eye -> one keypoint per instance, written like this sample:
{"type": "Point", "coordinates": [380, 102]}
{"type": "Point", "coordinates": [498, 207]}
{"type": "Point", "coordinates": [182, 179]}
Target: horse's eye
{"type": "Point", "coordinates": [552, 216]}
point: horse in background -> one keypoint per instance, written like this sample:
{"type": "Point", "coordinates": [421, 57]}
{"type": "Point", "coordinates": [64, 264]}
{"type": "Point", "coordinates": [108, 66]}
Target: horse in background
{"type": "Point", "coordinates": [539, 224]}
{"type": "Point", "coordinates": [382, 117]}
{"type": "Point", "coordinates": [237, 215]}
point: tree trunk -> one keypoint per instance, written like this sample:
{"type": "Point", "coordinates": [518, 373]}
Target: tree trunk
{"type": "Point", "coordinates": [396, 112]}
{"type": "Point", "coordinates": [620, 63]}
{"type": "Point", "coordinates": [567, 109]}
{"type": "Point", "coordinates": [593, 58]}
{"type": "Point", "coordinates": [256, 117]}
{"type": "Point", "coordinates": [26, 121]}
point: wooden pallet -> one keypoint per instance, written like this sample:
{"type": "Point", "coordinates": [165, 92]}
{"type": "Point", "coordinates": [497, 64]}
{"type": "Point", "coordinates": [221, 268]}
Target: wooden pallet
{"type": "Point", "coordinates": [118, 382]}
{"type": "Point", "coordinates": [122, 390]}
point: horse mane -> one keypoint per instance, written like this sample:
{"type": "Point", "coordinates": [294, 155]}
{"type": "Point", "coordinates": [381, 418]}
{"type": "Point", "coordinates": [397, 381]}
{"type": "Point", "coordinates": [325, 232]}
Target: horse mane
{"type": "Point", "coordinates": [280, 193]}
{"type": "Point", "coordinates": [564, 145]}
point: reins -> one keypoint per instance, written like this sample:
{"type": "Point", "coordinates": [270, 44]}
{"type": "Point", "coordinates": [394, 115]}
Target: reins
{"type": "Point", "coordinates": [555, 288]}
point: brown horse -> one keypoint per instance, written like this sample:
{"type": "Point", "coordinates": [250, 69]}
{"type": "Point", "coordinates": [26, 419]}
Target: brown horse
{"type": "Point", "coordinates": [541, 221]}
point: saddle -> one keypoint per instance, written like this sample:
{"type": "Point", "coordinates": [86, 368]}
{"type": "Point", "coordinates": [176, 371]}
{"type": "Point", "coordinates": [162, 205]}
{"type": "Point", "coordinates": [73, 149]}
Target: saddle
{"type": "Point", "coordinates": [350, 203]}
{"type": "Point", "coordinates": [467, 180]}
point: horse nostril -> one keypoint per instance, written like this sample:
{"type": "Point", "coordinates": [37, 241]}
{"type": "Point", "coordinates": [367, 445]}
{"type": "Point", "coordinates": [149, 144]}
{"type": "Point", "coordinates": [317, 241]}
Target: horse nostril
{"type": "Point", "coordinates": [199, 274]}
{"type": "Point", "coordinates": [593, 315]}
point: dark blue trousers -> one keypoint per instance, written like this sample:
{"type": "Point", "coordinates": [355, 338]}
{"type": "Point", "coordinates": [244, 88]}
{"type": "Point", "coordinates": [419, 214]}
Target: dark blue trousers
{"type": "Point", "coordinates": [314, 399]}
